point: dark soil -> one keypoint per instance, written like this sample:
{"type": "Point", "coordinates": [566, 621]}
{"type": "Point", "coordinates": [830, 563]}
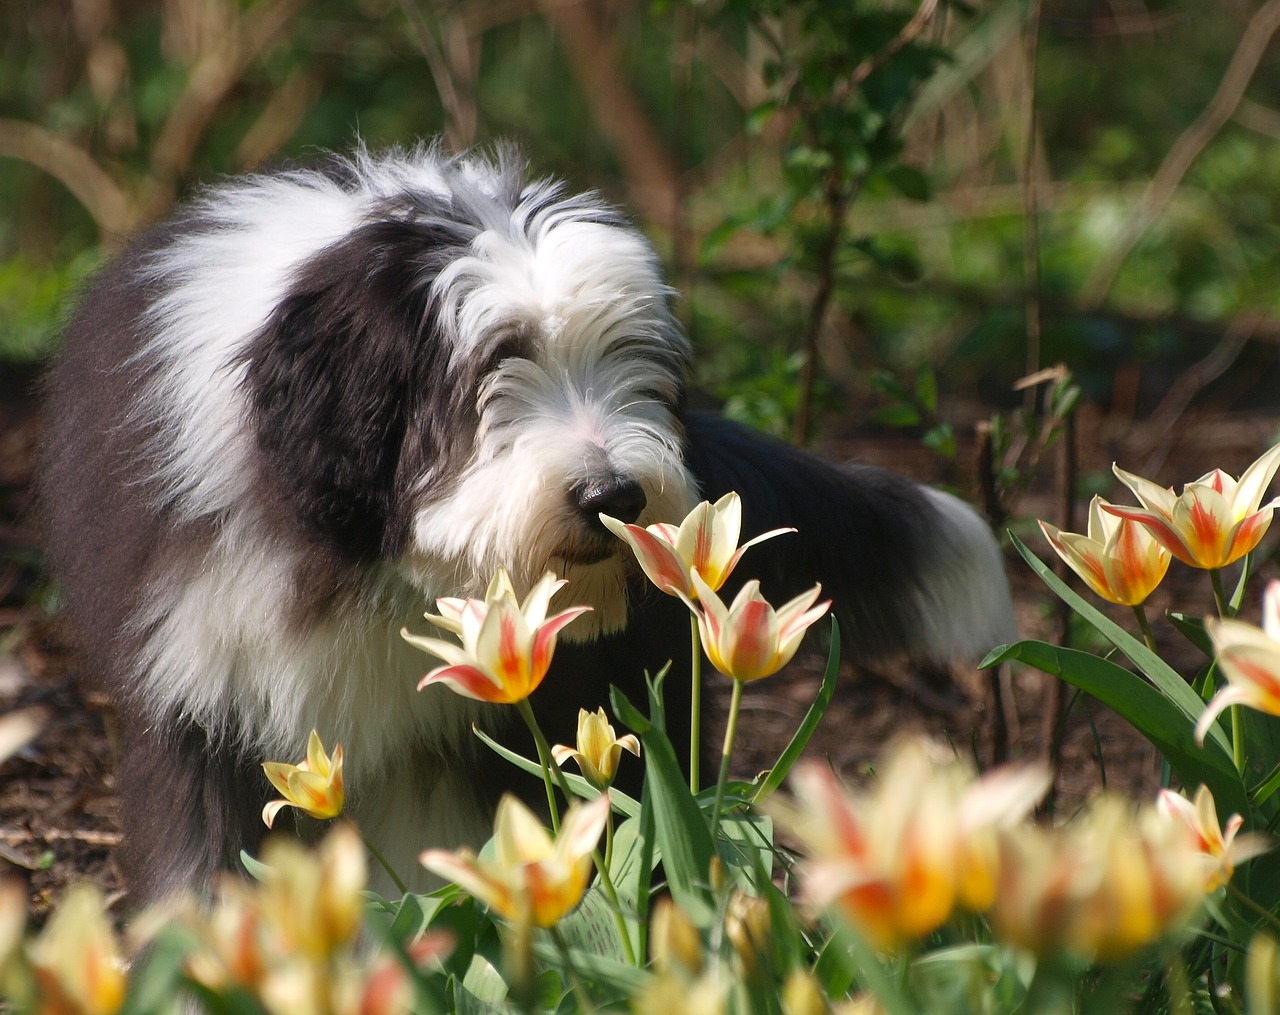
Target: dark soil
{"type": "Point", "coordinates": [58, 810]}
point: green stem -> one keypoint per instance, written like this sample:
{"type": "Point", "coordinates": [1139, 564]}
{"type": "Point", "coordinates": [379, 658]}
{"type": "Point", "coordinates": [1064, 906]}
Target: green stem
{"type": "Point", "coordinates": [544, 758]}
{"type": "Point", "coordinates": [382, 860]}
{"type": "Point", "coordinates": [1219, 594]}
{"type": "Point", "coordinates": [1248, 903]}
{"type": "Point", "coordinates": [695, 704]}
{"type": "Point", "coordinates": [1144, 626]}
{"type": "Point", "coordinates": [725, 753]}
{"type": "Point", "coordinates": [1237, 737]}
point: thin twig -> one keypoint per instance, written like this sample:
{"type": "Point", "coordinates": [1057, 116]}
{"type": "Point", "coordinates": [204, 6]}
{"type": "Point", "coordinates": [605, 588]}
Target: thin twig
{"type": "Point", "coordinates": [101, 196]}
{"type": "Point", "coordinates": [1253, 45]}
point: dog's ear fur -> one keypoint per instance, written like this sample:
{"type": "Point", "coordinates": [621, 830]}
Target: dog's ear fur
{"type": "Point", "coordinates": [346, 362]}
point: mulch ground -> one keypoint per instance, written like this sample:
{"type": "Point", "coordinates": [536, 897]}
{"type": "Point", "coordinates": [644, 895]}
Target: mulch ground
{"type": "Point", "coordinates": [59, 815]}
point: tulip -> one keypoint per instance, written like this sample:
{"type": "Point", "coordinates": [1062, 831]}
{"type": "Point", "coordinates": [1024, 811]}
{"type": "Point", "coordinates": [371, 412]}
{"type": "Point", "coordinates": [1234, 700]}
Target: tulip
{"type": "Point", "coordinates": [314, 785]}
{"type": "Point", "coordinates": [1215, 521]}
{"type": "Point", "coordinates": [1103, 888]}
{"type": "Point", "coordinates": [76, 960]}
{"type": "Point", "coordinates": [314, 898]}
{"type": "Point", "coordinates": [896, 861]}
{"type": "Point", "coordinates": [599, 748]}
{"type": "Point", "coordinates": [1221, 847]}
{"type": "Point", "coordinates": [748, 639]}
{"type": "Point", "coordinates": [533, 879]}
{"type": "Point", "coordinates": [704, 544]}
{"type": "Point", "coordinates": [1250, 660]}
{"type": "Point", "coordinates": [1118, 558]}
{"type": "Point", "coordinates": [506, 645]}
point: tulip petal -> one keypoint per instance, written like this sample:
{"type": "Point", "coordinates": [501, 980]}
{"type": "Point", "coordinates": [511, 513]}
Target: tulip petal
{"type": "Point", "coordinates": [1254, 482]}
{"type": "Point", "coordinates": [1151, 496]}
{"type": "Point", "coordinates": [656, 557]}
{"type": "Point", "coordinates": [467, 680]}
{"type": "Point", "coordinates": [1159, 526]}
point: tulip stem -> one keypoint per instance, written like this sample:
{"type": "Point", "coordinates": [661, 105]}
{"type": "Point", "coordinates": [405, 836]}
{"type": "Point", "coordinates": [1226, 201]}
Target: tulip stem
{"type": "Point", "coordinates": [544, 757]}
{"type": "Point", "coordinates": [695, 705]}
{"type": "Point", "coordinates": [382, 860]}
{"type": "Point", "coordinates": [1144, 626]}
{"type": "Point", "coordinates": [726, 752]}
{"type": "Point", "coordinates": [1237, 737]}
{"type": "Point", "coordinates": [1219, 594]}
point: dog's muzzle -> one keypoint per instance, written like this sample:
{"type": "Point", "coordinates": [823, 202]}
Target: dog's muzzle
{"type": "Point", "coordinates": [619, 497]}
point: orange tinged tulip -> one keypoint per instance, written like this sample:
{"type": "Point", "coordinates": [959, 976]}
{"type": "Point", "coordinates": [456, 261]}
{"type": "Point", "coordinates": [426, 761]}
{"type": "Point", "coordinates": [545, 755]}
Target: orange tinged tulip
{"type": "Point", "coordinates": [1215, 521]}
{"type": "Point", "coordinates": [1119, 559]}
{"type": "Point", "coordinates": [533, 879]}
{"type": "Point", "coordinates": [1249, 657]}
{"type": "Point", "coordinates": [749, 639]}
{"type": "Point", "coordinates": [1222, 847]}
{"type": "Point", "coordinates": [704, 544]}
{"type": "Point", "coordinates": [506, 645]}
{"type": "Point", "coordinates": [314, 785]}
{"type": "Point", "coordinates": [76, 960]}
{"type": "Point", "coordinates": [896, 861]}
{"type": "Point", "coordinates": [599, 748]}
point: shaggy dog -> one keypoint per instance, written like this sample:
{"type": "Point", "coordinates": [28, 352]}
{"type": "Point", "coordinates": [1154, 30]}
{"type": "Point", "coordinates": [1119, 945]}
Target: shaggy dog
{"type": "Point", "coordinates": [289, 419]}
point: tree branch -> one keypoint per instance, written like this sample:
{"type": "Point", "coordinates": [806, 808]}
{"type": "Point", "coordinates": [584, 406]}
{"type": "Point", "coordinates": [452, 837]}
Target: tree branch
{"type": "Point", "coordinates": [102, 197]}
{"type": "Point", "coordinates": [1253, 45]}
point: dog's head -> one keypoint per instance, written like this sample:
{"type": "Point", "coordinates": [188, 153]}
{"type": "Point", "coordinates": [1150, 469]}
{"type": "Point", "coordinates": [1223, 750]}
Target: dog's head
{"type": "Point", "coordinates": [469, 376]}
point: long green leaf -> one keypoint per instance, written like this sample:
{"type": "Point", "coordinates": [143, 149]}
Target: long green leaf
{"type": "Point", "coordinates": [621, 802]}
{"type": "Point", "coordinates": [679, 825]}
{"type": "Point", "coordinates": [1166, 679]}
{"type": "Point", "coordinates": [1153, 714]}
{"type": "Point", "coordinates": [782, 768]}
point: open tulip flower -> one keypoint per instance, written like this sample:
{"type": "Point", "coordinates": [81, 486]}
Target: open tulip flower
{"type": "Point", "coordinates": [76, 960]}
{"type": "Point", "coordinates": [749, 639]}
{"type": "Point", "coordinates": [897, 860]}
{"type": "Point", "coordinates": [599, 748]}
{"type": "Point", "coordinates": [1103, 887]}
{"type": "Point", "coordinates": [1119, 559]}
{"type": "Point", "coordinates": [314, 785]}
{"type": "Point", "coordinates": [1215, 521]}
{"type": "Point", "coordinates": [705, 544]}
{"type": "Point", "coordinates": [533, 879]}
{"type": "Point", "coordinates": [506, 645]}
{"type": "Point", "coordinates": [1249, 658]}
{"type": "Point", "coordinates": [1222, 848]}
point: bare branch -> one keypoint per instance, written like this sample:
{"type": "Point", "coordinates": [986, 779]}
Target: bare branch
{"type": "Point", "coordinates": [1253, 44]}
{"type": "Point", "coordinates": [73, 167]}
{"type": "Point", "coordinates": [653, 183]}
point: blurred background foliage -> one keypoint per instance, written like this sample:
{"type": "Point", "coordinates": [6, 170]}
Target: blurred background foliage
{"type": "Point", "coordinates": [865, 203]}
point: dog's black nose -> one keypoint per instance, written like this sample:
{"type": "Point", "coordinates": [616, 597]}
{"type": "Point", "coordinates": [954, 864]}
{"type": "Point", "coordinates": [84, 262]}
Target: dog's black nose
{"type": "Point", "coordinates": [617, 496]}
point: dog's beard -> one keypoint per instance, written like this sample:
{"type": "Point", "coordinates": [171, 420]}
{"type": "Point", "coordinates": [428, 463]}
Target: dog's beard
{"type": "Point", "coordinates": [459, 544]}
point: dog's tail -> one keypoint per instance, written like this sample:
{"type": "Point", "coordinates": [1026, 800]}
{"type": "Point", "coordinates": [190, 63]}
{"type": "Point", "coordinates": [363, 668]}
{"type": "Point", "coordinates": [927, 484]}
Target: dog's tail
{"type": "Point", "coordinates": [910, 569]}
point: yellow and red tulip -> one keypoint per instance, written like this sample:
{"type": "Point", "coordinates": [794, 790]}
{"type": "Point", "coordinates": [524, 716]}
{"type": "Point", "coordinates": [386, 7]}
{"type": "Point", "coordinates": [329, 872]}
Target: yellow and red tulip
{"type": "Point", "coordinates": [76, 960]}
{"type": "Point", "coordinates": [1118, 558]}
{"type": "Point", "coordinates": [1249, 658]}
{"type": "Point", "coordinates": [533, 879]}
{"type": "Point", "coordinates": [896, 861]}
{"type": "Point", "coordinates": [506, 645]}
{"type": "Point", "coordinates": [704, 544]}
{"type": "Point", "coordinates": [599, 748]}
{"type": "Point", "coordinates": [314, 785]}
{"type": "Point", "coordinates": [1215, 521]}
{"type": "Point", "coordinates": [749, 639]}
{"type": "Point", "coordinates": [1222, 847]}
